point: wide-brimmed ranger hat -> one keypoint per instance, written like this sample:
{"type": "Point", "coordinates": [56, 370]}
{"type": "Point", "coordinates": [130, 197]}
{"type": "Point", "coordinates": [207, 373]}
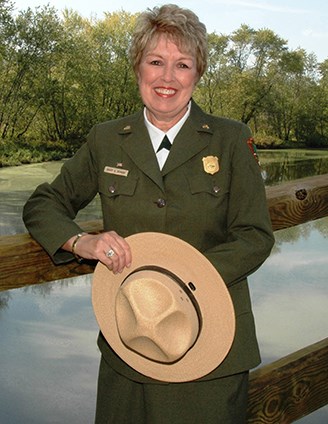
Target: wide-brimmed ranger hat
{"type": "Point", "coordinates": [169, 316]}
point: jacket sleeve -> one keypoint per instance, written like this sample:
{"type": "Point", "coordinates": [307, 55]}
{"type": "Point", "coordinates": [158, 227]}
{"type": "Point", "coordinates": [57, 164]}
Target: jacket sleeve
{"type": "Point", "coordinates": [50, 212]}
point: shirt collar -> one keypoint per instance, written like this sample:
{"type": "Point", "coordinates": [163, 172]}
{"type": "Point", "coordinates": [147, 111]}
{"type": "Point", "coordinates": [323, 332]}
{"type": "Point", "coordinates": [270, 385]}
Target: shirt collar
{"type": "Point", "coordinates": [156, 135]}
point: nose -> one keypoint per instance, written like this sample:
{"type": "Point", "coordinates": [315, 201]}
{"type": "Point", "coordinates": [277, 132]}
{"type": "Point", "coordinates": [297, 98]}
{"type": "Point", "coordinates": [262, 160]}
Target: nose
{"type": "Point", "coordinates": [168, 73]}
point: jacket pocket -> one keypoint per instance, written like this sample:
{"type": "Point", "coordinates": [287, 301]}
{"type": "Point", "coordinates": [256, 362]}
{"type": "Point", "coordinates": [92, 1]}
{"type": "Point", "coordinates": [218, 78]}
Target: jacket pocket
{"type": "Point", "coordinates": [208, 201]}
{"type": "Point", "coordinates": [212, 186]}
{"type": "Point", "coordinates": [114, 186]}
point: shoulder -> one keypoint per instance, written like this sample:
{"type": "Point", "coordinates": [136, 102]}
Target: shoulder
{"type": "Point", "coordinates": [218, 125]}
{"type": "Point", "coordinates": [117, 126]}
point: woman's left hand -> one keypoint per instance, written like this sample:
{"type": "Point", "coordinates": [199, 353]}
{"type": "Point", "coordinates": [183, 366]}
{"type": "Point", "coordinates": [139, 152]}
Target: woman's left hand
{"type": "Point", "coordinates": [109, 248]}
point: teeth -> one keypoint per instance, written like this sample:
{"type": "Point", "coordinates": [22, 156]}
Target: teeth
{"type": "Point", "coordinates": [165, 91]}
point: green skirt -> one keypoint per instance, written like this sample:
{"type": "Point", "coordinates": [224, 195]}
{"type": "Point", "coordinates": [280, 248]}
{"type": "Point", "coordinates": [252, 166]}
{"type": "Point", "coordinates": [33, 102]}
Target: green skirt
{"type": "Point", "coordinates": [123, 401]}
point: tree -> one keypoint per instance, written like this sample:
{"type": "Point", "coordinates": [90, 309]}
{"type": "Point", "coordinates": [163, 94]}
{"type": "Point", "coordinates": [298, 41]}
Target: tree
{"type": "Point", "coordinates": [91, 79]}
{"type": "Point", "coordinates": [29, 42]}
{"type": "Point", "coordinates": [211, 92]}
{"type": "Point", "coordinates": [61, 75]}
{"type": "Point", "coordinates": [296, 103]}
{"type": "Point", "coordinates": [69, 85]}
{"type": "Point", "coordinates": [254, 59]}
{"type": "Point", "coordinates": [118, 94]}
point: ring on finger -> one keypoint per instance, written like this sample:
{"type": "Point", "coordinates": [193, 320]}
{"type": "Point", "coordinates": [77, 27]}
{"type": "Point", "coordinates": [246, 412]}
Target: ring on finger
{"type": "Point", "coordinates": [110, 253]}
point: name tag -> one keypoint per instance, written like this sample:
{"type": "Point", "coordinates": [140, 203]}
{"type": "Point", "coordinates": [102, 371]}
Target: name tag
{"type": "Point", "coordinates": [116, 171]}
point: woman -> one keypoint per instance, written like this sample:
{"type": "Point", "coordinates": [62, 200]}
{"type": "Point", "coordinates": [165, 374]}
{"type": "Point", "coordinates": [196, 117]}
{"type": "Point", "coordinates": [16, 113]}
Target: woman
{"type": "Point", "coordinates": [206, 190]}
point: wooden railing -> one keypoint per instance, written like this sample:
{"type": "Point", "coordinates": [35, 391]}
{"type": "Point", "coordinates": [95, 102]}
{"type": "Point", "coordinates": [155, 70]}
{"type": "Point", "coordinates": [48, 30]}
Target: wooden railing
{"type": "Point", "coordinates": [291, 387]}
{"type": "Point", "coordinates": [281, 392]}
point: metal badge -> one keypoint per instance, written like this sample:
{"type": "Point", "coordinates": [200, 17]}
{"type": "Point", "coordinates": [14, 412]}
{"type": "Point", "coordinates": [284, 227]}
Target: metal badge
{"type": "Point", "coordinates": [211, 164]}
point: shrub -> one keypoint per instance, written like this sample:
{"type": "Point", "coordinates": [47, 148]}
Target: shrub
{"type": "Point", "coordinates": [13, 153]}
{"type": "Point", "coordinates": [267, 141]}
{"type": "Point", "coordinates": [316, 140]}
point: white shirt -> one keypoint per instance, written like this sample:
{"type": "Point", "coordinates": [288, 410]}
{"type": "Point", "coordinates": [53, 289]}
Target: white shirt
{"type": "Point", "coordinates": [156, 135]}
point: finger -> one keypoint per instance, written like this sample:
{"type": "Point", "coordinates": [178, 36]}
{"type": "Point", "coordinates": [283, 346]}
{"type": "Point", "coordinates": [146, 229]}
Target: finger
{"type": "Point", "coordinates": [110, 253]}
{"type": "Point", "coordinates": [110, 262]}
{"type": "Point", "coordinates": [117, 255]}
{"type": "Point", "coordinates": [121, 248]}
{"type": "Point", "coordinates": [115, 258]}
{"type": "Point", "coordinates": [116, 252]}
{"type": "Point", "coordinates": [125, 250]}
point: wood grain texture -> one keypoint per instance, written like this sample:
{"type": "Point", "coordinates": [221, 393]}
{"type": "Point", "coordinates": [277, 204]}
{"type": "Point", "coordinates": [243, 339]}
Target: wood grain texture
{"type": "Point", "coordinates": [290, 388]}
{"type": "Point", "coordinates": [24, 262]}
{"type": "Point", "coordinates": [297, 202]}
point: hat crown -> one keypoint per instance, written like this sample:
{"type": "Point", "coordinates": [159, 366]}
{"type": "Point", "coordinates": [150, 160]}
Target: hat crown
{"type": "Point", "coordinates": [155, 316]}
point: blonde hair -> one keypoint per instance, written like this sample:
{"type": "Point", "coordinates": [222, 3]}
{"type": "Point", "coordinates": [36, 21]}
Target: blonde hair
{"type": "Point", "coordinates": [181, 25]}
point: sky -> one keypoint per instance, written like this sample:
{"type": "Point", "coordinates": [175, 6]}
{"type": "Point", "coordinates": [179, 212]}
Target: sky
{"type": "Point", "coordinates": [302, 23]}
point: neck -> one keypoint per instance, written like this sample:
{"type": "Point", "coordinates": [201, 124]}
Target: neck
{"type": "Point", "coordinates": [165, 123]}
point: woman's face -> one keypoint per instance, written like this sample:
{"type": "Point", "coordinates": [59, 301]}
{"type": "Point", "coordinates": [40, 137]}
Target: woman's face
{"type": "Point", "coordinates": [167, 78]}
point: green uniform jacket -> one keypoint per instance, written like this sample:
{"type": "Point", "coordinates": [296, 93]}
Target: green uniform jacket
{"type": "Point", "coordinates": [224, 215]}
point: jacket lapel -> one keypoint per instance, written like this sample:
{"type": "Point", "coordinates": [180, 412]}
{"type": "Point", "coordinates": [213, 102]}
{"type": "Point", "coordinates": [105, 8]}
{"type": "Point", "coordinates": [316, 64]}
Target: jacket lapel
{"type": "Point", "coordinates": [190, 140]}
{"type": "Point", "coordinates": [138, 146]}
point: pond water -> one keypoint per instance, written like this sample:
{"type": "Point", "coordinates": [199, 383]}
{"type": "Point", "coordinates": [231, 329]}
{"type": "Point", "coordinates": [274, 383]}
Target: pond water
{"type": "Point", "coordinates": [49, 359]}
{"type": "Point", "coordinates": [285, 165]}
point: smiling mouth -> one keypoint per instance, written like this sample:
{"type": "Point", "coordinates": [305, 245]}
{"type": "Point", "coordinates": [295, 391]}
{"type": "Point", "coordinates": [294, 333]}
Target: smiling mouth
{"type": "Point", "coordinates": [165, 91]}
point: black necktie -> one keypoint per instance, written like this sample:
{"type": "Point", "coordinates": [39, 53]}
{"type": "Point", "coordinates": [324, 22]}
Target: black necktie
{"type": "Point", "coordinates": [165, 144]}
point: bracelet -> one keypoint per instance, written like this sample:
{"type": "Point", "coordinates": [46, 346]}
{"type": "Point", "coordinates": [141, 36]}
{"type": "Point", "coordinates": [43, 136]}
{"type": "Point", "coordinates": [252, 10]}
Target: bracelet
{"type": "Point", "coordinates": [77, 238]}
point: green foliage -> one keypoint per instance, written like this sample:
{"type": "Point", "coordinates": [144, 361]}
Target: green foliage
{"type": "Point", "coordinates": [267, 141]}
{"type": "Point", "coordinates": [61, 75]}
{"type": "Point", "coordinates": [19, 153]}
{"type": "Point", "coordinates": [316, 140]}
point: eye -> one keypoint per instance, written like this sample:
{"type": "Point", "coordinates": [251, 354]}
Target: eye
{"type": "Point", "coordinates": [183, 66]}
{"type": "Point", "coordinates": [155, 62]}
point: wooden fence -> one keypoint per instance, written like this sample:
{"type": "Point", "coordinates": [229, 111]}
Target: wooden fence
{"type": "Point", "coordinates": [294, 386]}
{"type": "Point", "coordinates": [281, 392]}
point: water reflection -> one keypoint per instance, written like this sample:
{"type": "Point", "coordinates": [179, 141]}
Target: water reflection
{"type": "Point", "coordinates": [49, 358]}
{"type": "Point", "coordinates": [290, 291]}
{"type": "Point", "coordinates": [286, 165]}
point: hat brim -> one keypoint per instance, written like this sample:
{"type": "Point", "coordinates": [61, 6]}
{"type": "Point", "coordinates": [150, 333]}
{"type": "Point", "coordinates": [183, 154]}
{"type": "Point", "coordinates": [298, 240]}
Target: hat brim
{"type": "Point", "coordinates": [182, 259]}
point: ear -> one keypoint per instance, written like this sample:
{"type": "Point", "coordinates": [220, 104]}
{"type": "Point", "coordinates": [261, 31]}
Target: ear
{"type": "Point", "coordinates": [137, 74]}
